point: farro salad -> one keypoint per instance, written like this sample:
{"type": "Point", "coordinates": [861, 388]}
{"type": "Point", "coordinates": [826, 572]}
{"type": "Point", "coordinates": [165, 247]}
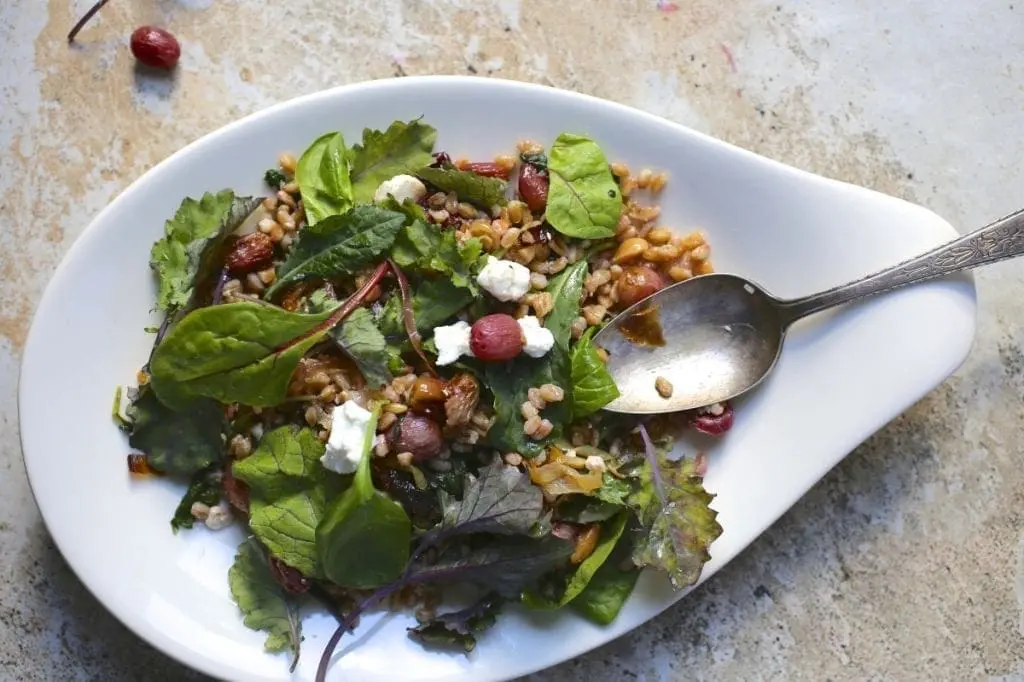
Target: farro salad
{"type": "Point", "coordinates": [384, 370]}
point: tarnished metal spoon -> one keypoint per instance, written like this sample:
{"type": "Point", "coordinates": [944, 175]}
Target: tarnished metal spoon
{"type": "Point", "coordinates": [723, 334]}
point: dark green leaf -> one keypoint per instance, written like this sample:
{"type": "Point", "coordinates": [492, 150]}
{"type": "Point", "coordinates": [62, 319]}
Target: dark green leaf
{"type": "Point", "coordinates": [476, 189]}
{"type": "Point", "coordinates": [578, 580]}
{"type": "Point", "coordinates": [190, 249]}
{"type": "Point", "coordinates": [402, 148]}
{"type": "Point", "coordinates": [288, 493]}
{"type": "Point", "coordinates": [264, 604]}
{"type": "Point", "coordinates": [500, 500]}
{"type": "Point", "coordinates": [236, 352]}
{"type": "Point", "coordinates": [509, 383]}
{"type": "Point", "coordinates": [458, 629]}
{"type": "Point", "coordinates": [205, 488]}
{"type": "Point", "coordinates": [434, 302]}
{"type": "Point", "coordinates": [339, 245]}
{"type": "Point", "coordinates": [504, 565]}
{"type": "Point", "coordinates": [603, 597]}
{"type": "Point", "coordinates": [323, 177]}
{"type": "Point", "coordinates": [274, 178]}
{"type": "Point", "coordinates": [359, 337]}
{"type": "Point", "coordinates": [583, 199]}
{"type": "Point", "coordinates": [592, 384]}
{"type": "Point", "coordinates": [585, 509]}
{"type": "Point", "coordinates": [363, 540]}
{"type": "Point", "coordinates": [179, 443]}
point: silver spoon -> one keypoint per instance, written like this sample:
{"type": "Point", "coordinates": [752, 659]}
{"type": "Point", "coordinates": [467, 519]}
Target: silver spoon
{"type": "Point", "coordinates": [723, 334]}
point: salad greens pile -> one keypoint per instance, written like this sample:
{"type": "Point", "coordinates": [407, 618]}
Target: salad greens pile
{"type": "Point", "coordinates": [565, 518]}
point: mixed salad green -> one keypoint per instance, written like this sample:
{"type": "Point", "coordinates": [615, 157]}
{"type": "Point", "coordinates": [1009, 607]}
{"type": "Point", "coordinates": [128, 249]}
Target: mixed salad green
{"type": "Point", "coordinates": [384, 370]}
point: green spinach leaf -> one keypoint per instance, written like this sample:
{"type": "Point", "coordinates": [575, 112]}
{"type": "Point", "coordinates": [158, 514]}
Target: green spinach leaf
{"type": "Point", "coordinates": [459, 629]}
{"type": "Point", "coordinates": [288, 493]}
{"type": "Point", "coordinates": [205, 488]}
{"type": "Point", "coordinates": [583, 199]}
{"type": "Point", "coordinates": [237, 352]}
{"type": "Point", "coordinates": [481, 191]}
{"type": "Point", "coordinates": [179, 443]}
{"type": "Point", "coordinates": [339, 245]}
{"type": "Point", "coordinates": [592, 384]}
{"type": "Point", "coordinates": [324, 180]}
{"type": "Point", "coordinates": [402, 148]}
{"type": "Point", "coordinates": [578, 580]}
{"type": "Point", "coordinates": [192, 242]}
{"type": "Point", "coordinates": [360, 338]}
{"type": "Point", "coordinates": [603, 597]}
{"type": "Point", "coordinates": [264, 604]}
{"type": "Point", "coordinates": [363, 540]}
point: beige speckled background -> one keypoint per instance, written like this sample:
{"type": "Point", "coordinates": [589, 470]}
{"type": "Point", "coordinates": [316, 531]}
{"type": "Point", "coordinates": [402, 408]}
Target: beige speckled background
{"type": "Point", "coordinates": [905, 563]}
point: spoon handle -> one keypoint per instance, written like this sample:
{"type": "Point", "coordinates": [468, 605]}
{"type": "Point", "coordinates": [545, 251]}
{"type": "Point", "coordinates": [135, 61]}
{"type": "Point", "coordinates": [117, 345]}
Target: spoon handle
{"type": "Point", "coordinates": [1001, 240]}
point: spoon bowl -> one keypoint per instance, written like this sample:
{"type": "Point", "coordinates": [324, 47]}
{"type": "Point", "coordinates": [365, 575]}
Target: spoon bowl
{"type": "Point", "coordinates": [723, 334]}
{"type": "Point", "coordinates": [718, 336]}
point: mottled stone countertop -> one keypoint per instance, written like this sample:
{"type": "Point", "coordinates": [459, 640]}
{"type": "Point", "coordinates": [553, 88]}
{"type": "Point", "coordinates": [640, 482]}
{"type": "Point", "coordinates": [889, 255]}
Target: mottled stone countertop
{"type": "Point", "coordinates": [905, 563]}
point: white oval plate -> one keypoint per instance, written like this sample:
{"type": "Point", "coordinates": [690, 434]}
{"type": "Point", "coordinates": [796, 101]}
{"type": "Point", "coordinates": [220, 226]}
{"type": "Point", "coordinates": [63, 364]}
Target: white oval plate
{"type": "Point", "coordinates": [841, 376]}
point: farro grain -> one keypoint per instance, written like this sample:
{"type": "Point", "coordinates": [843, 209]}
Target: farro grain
{"type": "Point", "coordinates": [253, 283]}
{"type": "Point", "coordinates": [702, 252]}
{"type": "Point", "coordinates": [533, 395]}
{"type": "Point", "coordinates": [404, 459]}
{"type": "Point", "coordinates": [661, 254]}
{"type": "Point", "coordinates": [269, 204]}
{"type": "Point", "coordinates": [538, 281]}
{"type": "Point", "coordinates": [663, 386]}
{"type": "Point", "coordinates": [659, 236]}
{"type": "Point", "coordinates": [386, 421]}
{"type": "Point", "coordinates": [551, 393]}
{"type": "Point", "coordinates": [285, 198]}
{"type": "Point", "coordinates": [287, 162]}
{"type": "Point", "coordinates": [594, 314]}
{"type": "Point", "coordinates": [528, 410]}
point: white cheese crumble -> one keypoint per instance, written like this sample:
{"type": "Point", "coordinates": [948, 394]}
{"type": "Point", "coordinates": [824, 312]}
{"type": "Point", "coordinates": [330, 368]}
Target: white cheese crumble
{"type": "Point", "coordinates": [504, 279]}
{"type": "Point", "coordinates": [595, 463]}
{"type": "Point", "coordinates": [452, 341]}
{"type": "Point", "coordinates": [401, 187]}
{"type": "Point", "coordinates": [348, 436]}
{"type": "Point", "coordinates": [538, 340]}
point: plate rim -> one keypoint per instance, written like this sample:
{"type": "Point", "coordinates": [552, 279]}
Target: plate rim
{"type": "Point", "coordinates": [166, 645]}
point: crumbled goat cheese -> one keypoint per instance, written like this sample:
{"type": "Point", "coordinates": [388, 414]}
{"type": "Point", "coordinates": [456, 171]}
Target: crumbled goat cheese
{"type": "Point", "coordinates": [452, 341]}
{"type": "Point", "coordinates": [348, 436]}
{"type": "Point", "coordinates": [504, 279]}
{"type": "Point", "coordinates": [538, 340]}
{"type": "Point", "coordinates": [401, 187]}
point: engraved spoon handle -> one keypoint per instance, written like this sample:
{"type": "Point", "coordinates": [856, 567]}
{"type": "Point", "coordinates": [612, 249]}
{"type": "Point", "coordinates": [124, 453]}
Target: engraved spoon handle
{"type": "Point", "coordinates": [998, 241]}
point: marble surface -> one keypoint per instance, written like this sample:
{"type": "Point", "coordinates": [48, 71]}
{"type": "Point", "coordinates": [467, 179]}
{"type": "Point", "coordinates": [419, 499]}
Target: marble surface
{"type": "Point", "coordinates": [905, 563]}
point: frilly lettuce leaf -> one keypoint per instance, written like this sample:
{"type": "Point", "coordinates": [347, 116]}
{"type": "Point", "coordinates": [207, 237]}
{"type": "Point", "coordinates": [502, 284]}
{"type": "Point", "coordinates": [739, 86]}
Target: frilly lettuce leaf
{"type": "Point", "coordinates": [264, 604]}
{"type": "Point", "coordinates": [402, 148]}
{"type": "Point", "coordinates": [288, 493]}
{"type": "Point", "coordinates": [191, 242]}
{"type": "Point", "coordinates": [680, 523]}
